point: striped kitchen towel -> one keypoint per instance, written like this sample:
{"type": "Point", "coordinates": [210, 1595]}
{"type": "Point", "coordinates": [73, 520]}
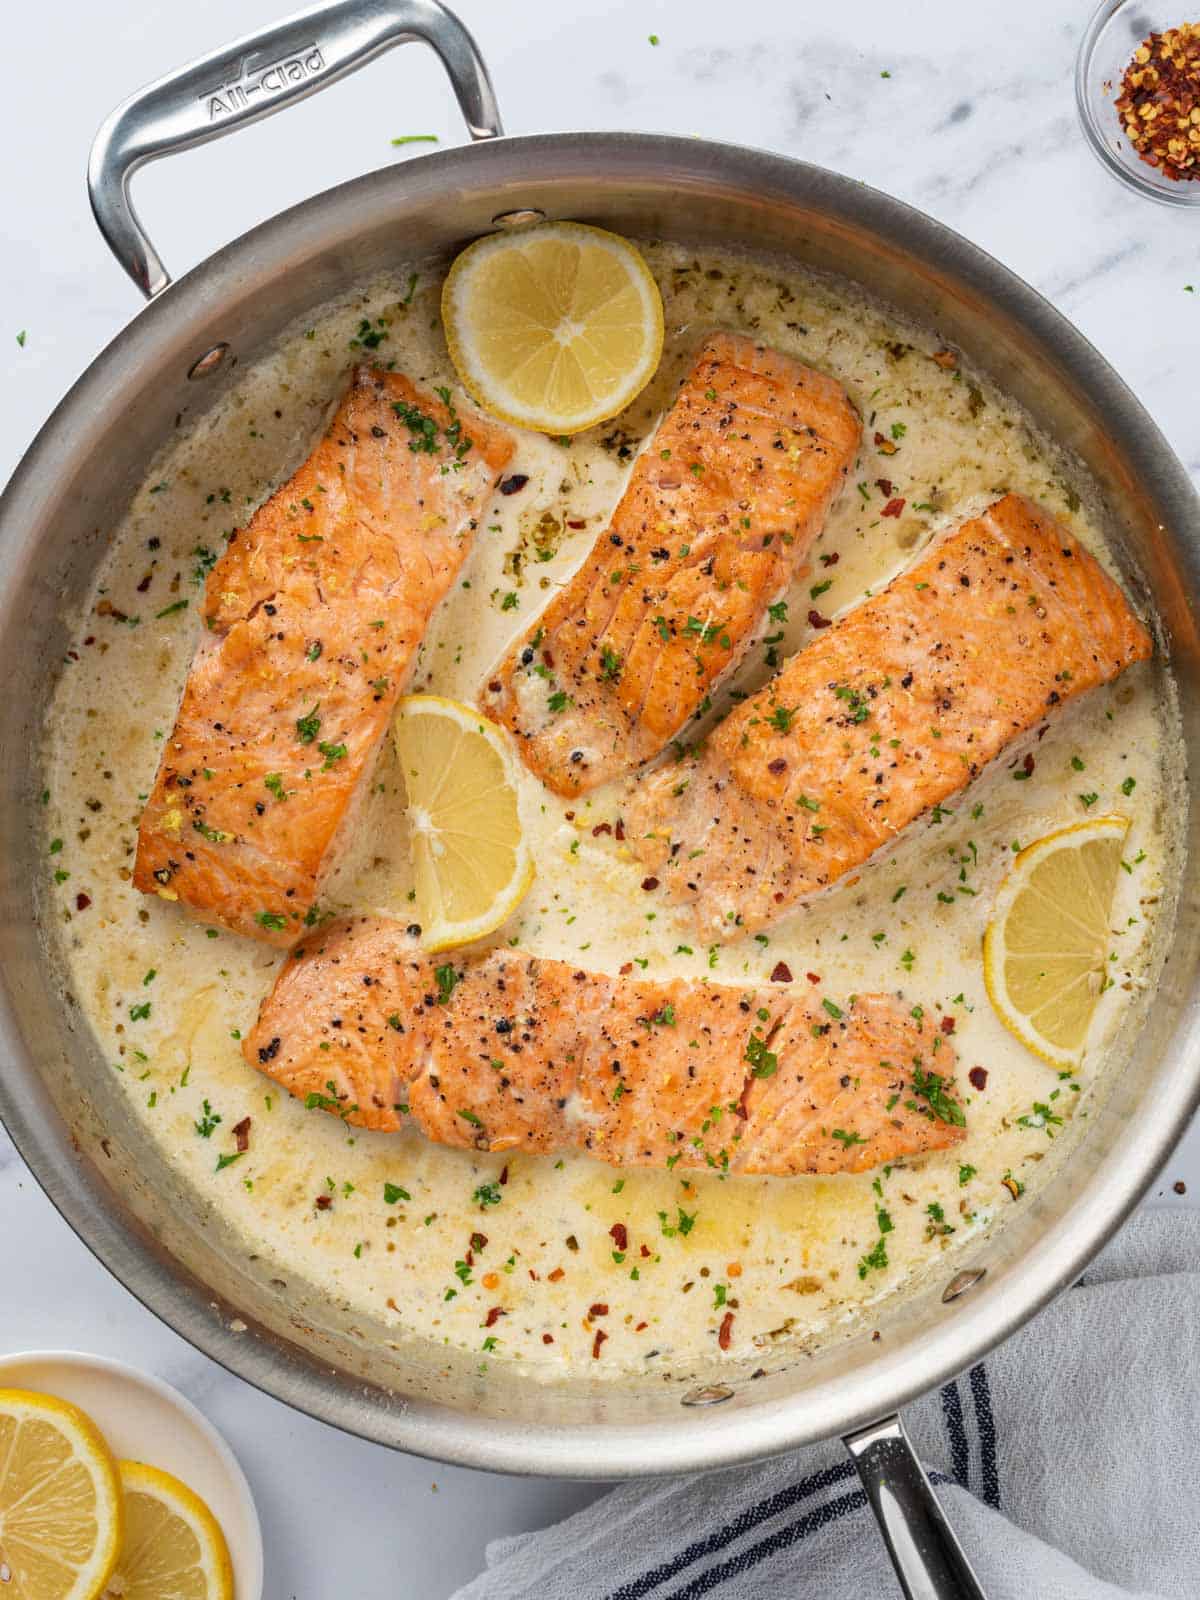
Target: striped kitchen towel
{"type": "Point", "coordinates": [1068, 1463]}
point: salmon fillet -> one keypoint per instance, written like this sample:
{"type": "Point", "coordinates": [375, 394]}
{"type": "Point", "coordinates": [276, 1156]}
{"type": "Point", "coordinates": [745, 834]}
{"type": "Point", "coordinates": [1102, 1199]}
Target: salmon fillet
{"type": "Point", "coordinates": [888, 713]}
{"type": "Point", "coordinates": [313, 613]}
{"type": "Point", "coordinates": [719, 514]}
{"type": "Point", "coordinates": [506, 1051]}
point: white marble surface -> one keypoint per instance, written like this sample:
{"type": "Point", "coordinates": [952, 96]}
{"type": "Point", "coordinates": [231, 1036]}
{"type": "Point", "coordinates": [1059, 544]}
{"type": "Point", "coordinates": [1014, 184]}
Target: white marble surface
{"type": "Point", "coordinates": [975, 124]}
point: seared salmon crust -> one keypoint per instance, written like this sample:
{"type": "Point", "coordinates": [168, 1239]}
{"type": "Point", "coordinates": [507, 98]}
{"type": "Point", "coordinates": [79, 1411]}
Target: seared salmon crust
{"type": "Point", "coordinates": [718, 516]}
{"type": "Point", "coordinates": [314, 613]}
{"type": "Point", "coordinates": [888, 713]}
{"type": "Point", "coordinates": [507, 1051]}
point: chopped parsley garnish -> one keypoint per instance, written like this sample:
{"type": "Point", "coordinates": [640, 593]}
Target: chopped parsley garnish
{"type": "Point", "coordinates": [683, 1224]}
{"type": "Point", "coordinates": [857, 708]}
{"type": "Point", "coordinates": [447, 981]}
{"type": "Point", "coordinates": [847, 1139]}
{"type": "Point", "coordinates": [309, 725]}
{"type": "Point", "coordinates": [763, 1062]}
{"type": "Point", "coordinates": [422, 427]}
{"type": "Point", "coordinates": [169, 611]}
{"type": "Point", "coordinates": [875, 1259]}
{"type": "Point", "coordinates": [271, 919]}
{"type": "Point", "coordinates": [332, 753]}
{"type": "Point", "coordinates": [393, 1193]}
{"type": "Point", "coordinates": [781, 718]}
{"type": "Point", "coordinates": [610, 664]}
{"type": "Point", "coordinates": [208, 1121]}
{"type": "Point", "coordinates": [932, 1088]}
{"type": "Point", "coordinates": [487, 1194]}
{"type": "Point", "coordinates": [274, 782]}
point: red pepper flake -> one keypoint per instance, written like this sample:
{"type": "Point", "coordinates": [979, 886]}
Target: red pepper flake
{"type": "Point", "coordinates": [556, 1275]}
{"type": "Point", "coordinates": [777, 766]}
{"type": "Point", "coordinates": [601, 827]}
{"type": "Point", "coordinates": [887, 447]}
{"type": "Point", "coordinates": [241, 1132]}
{"type": "Point", "coordinates": [547, 1338]}
{"type": "Point", "coordinates": [781, 973]}
{"type": "Point", "coordinates": [504, 1174]}
{"type": "Point", "coordinates": [1159, 103]}
{"type": "Point", "coordinates": [726, 1334]}
{"type": "Point", "coordinates": [493, 1316]}
{"type": "Point", "coordinates": [479, 1241]}
{"type": "Point", "coordinates": [601, 1336]}
{"type": "Point", "coordinates": [649, 883]}
{"type": "Point", "coordinates": [946, 359]}
{"type": "Point", "coordinates": [978, 1077]}
{"type": "Point", "coordinates": [884, 485]}
{"type": "Point", "coordinates": [619, 830]}
{"type": "Point", "coordinates": [645, 1251]}
{"type": "Point", "coordinates": [619, 1234]}
{"type": "Point", "coordinates": [642, 1326]}
{"type": "Point", "coordinates": [598, 1310]}
{"type": "Point", "coordinates": [949, 1024]}
{"type": "Point", "coordinates": [570, 816]}
{"type": "Point", "coordinates": [816, 620]}
{"type": "Point", "coordinates": [831, 560]}
{"type": "Point", "coordinates": [323, 1202]}
{"type": "Point", "coordinates": [577, 523]}
{"type": "Point", "coordinates": [893, 508]}
{"type": "Point", "coordinates": [813, 977]}
{"type": "Point", "coordinates": [82, 901]}
{"type": "Point", "coordinates": [495, 686]}
{"type": "Point", "coordinates": [145, 583]}
{"type": "Point", "coordinates": [625, 968]}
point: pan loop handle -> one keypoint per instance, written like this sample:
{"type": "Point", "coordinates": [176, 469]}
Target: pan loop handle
{"type": "Point", "coordinates": [251, 79]}
{"type": "Point", "coordinates": [928, 1558]}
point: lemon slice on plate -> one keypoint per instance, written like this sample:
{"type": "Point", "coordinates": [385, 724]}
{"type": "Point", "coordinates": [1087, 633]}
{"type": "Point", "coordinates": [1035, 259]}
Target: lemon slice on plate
{"type": "Point", "coordinates": [61, 1516]}
{"type": "Point", "coordinates": [1045, 952]}
{"type": "Point", "coordinates": [471, 863]}
{"type": "Point", "coordinates": [174, 1548]}
{"type": "Point", "coordinates": [554, 327]}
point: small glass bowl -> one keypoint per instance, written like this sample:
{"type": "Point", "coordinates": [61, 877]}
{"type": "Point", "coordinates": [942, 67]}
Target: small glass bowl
{"type": "Point", "coordinates": [1106, 49]}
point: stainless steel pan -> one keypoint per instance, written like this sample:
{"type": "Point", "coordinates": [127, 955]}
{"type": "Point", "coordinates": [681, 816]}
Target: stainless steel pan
{"type": "Point", "coordinates": [57, 1096]}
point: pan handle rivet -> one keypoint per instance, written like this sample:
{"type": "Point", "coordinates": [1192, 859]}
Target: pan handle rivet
{"type": "Point", "coordinates": [518, 219]}
{"type": "Point", "coordinates": [961, 1282]}
{"type": "Point", "coordinates": [204, 366]}
{"type": "Point", "coordinates": [709, 1394]}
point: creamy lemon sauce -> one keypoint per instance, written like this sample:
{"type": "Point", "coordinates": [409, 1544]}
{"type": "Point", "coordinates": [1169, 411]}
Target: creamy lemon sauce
{"type": "Point", "coordinates": [389, 1226]}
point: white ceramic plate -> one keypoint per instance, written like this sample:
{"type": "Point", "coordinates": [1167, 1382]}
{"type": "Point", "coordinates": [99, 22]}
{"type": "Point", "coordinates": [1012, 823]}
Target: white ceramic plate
{"type": "Point", "coordinates": [144, 1419]}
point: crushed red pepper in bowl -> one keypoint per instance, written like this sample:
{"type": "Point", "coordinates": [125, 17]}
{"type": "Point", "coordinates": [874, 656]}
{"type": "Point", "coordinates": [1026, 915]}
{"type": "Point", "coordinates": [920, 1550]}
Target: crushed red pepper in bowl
{"type": "Point", "coordinates": [1159, 103]}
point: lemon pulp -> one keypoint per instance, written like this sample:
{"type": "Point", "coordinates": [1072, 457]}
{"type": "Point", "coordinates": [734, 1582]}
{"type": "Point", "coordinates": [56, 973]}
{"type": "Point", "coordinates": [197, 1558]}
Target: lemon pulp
{"type": "Point", "coordinates": [554, 327]}
{"type": "Point", "coordinates": [1046, 948]}
{"type": "Point", "coordinates": [471, 863]}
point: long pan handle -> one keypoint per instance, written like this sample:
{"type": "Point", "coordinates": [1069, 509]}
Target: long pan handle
{"type": "Point", "coordinates": [255, 77]}
{"type": "Point", "coordinates": [928, 1558]}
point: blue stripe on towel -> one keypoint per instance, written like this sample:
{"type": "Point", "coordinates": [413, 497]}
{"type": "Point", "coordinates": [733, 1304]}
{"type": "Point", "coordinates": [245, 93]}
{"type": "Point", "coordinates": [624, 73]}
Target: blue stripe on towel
{"type": "Point", "coordinates": [956, 1432]}
{"type": "Point", "coordinates": [750, 1517]}
{"type": "Point", "coordinates": [981, 1393]}
{"type": "Point", "coordinates": [811, 1522]}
